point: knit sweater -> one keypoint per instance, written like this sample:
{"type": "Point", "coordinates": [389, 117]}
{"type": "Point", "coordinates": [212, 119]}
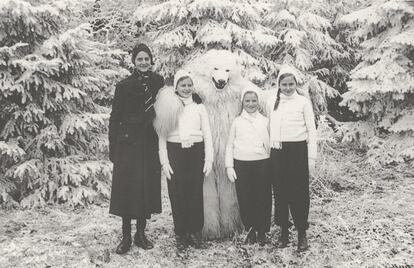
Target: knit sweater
{"type": "Point", "coordinates": [248, 139]}
{"type": "Point", "coordinates": [293, 120]}
{"type": "Point", "coordinates": [194, 119]}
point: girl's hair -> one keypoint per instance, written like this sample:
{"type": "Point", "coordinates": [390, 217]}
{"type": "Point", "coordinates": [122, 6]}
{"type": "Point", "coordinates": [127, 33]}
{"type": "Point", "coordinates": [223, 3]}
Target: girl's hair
{"type": "Point", "coordinates": [196, 98]}
{"type": "Point", "coordinates": [283, 76]}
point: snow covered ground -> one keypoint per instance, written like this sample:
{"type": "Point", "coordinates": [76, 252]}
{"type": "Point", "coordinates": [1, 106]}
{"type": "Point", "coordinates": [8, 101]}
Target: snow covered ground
{"type": "Point", "coordinates": [366, 221]}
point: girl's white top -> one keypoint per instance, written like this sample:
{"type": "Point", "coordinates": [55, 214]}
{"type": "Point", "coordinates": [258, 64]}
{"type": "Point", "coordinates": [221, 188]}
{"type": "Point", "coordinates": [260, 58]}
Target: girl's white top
{"type": "Point", "coordinates": [248, 138]}
{"type": "Point", "coordinates": [293, 120]}
{"type": "Point", "coordinates": [193, 126]}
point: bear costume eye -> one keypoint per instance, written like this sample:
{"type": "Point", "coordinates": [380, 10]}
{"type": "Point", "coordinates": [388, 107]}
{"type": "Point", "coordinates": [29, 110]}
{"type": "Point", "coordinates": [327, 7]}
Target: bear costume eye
{"type": "Point", "coordinates": [215, 68]}
{"type": "Point", "coordinates": [227, 70]}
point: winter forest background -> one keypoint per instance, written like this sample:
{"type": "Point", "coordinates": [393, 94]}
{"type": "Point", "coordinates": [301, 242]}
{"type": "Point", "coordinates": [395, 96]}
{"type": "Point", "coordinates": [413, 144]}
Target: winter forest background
{"type": "Point", "coordinates": [60, 60]}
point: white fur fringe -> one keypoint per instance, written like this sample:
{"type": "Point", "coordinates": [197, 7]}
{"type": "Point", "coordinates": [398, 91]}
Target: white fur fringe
{"type": "Point", "coordinates": [167, 109]}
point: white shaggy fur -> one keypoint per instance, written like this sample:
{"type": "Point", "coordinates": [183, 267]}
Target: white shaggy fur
{"type": "Point", "coordinates": [221, 210]}
{"type": "Point", "coordinates": [167, 107]}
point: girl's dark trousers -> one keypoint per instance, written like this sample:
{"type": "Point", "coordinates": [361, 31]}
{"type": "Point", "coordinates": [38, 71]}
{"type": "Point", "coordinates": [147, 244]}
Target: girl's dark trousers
{"type": "Point", "coordinates": [290, 173]}
{"type": "Point", "coordinates": [254, 193]}
{"type": "Point", "coordinates": [185, 188]}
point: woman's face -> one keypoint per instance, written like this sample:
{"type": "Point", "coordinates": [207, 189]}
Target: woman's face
{"type": "Point", "coordinates": [250, 102]}
{"type": "Point", "coordinates": [288, 85]}
{"type": "Point", "coordinates": [142, 61]}
{"type": "Point", "coordinates": [185, 87]}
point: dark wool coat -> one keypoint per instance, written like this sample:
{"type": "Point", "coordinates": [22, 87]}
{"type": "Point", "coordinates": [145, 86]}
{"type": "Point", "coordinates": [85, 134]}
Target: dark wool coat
{"type": "Point", "coordinates": [133, 149]}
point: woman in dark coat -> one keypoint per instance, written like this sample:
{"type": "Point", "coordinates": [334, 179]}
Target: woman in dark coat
{"type": "Point", "coordinates": [133, 149]}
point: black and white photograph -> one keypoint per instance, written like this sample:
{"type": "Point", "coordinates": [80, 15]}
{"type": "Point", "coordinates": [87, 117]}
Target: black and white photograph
{"type": "Point", "coordinates": [207, 133]}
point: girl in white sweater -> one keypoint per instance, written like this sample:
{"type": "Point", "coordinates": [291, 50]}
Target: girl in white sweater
{"type": "Point", "coordinates": [293, 154]}
{"type": "Point", "coordinates": [247, 164]}
{"type": "Point", "coordinates": [186, 155]}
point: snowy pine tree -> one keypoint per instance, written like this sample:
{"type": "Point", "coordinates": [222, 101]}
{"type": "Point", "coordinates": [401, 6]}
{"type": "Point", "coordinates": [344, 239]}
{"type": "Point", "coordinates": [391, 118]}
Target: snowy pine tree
{"type": "Point", "coordinates": [183, 30]}
{"type": "Point", "coordinates": [52, 141]}
{"type": "Point", "coordinates": [304, 31]}
{"type": "Point", "coordinates": [112, 22]}
{"type": "Point", "coordinates": [382, 87]}
{"type": "Point", "coordinates": [265, 34]}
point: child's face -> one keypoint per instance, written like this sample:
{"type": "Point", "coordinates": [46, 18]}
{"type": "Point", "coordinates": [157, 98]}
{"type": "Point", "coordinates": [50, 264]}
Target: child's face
{"type": "Point", "coordinates": [288, 85]}
{"type": "Point", "coordinates": [142, 61]}
{"type": "Point", "coordinates": [250, 102]}
{"type": "Point", "coordinates": [185, 88]}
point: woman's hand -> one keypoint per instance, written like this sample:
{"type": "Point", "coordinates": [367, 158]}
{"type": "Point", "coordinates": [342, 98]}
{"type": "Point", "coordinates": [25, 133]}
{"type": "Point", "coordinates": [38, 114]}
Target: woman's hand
{"type": "Point", "coordinates": [166, 168]}
{"type": "Point", "coordinates": [231, 174]}
{"type": "Point", "coordinates": [312, 167]}
{"type": "Point", "coordinates": [207, 167]}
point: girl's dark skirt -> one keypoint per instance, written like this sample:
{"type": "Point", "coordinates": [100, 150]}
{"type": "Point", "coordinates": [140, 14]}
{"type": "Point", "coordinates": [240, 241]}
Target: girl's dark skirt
{"type": "Point", "coordinates": [254, 193]}
{"type": "Point", "coordinates": [185, 188]}
{"type": "Point", "coordinates": [290, 173]}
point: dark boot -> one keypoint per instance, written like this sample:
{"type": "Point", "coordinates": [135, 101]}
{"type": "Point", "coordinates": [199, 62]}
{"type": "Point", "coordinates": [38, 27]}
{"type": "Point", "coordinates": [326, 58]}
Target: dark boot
{"type": "Point", "coordinates": [261, 238]}
{"type": "Point", "coordinates": [302, 241]}
{"type": "Point", "coordinates": [181, 241]}
{"type": "Point", "coordinates": [124, 246]}
{"type": "Point", "coordinates": [283, 240]}
{"type": "Point", "coordinates": [195, 239]}
{"type": "Point", "coordinates": [251, 237]}
{"type": "Point", "coordinates": [126, 241]}
{"type": "Point", "coordinates": [140, 239]}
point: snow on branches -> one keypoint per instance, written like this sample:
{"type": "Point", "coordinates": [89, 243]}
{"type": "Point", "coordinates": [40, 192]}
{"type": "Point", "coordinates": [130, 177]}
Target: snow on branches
{"type": "Point", "coordinates": [307, 45]}
{"type": "Point", "coordinates": [382, 84]}
{"type": "Point", "coordinates": [182, 30]}
{"type": "Point", "coordinates": [52, 79]}
{"type": "Point", "coordinates": [384, 80]}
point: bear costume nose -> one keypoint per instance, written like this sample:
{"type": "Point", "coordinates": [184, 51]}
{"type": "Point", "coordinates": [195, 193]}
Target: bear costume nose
{"type": "Point", "coordinates": [221, 81]}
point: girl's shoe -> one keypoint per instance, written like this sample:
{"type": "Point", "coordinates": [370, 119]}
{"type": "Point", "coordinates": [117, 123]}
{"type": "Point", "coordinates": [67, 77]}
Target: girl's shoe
{"type": "Point", "coordinates": [302, 241]}
{"type": "Point", "coordinates": [283, 240]}
{"type": "Point", "coordinates": [141, 240]}
{"type": "Point", "coordinates": [124, 246]}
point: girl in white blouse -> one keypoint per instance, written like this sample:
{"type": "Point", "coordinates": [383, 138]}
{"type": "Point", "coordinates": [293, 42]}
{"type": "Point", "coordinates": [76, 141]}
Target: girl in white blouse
{"type": "Point", "coordinates": [293, 154]}
{"type": "Point", "coordinates": [186, 155]}
{"type": "Point", "coordinates": [247, 164]}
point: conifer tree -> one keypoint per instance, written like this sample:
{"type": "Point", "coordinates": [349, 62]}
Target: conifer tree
{"type": "Point", "coordinates": [112, 22]}
{"type": "Point", "coordinates": [52, 141]}
{"type": "Point", "coordinates": [304, 29]}
{"type": "Point", "coordinates": [381, 91]}
{"type": "Point", "coordinates": [183, 30]}
{"type": "Point", "coordinates": [264, 33]}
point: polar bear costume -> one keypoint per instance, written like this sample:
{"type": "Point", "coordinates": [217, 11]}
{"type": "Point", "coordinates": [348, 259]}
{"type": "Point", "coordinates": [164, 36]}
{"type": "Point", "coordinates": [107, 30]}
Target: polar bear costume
{"type": "Point", "coordinates": [219, 82]}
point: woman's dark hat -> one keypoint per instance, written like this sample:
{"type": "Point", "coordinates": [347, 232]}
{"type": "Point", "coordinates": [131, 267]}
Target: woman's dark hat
{"type": "Point", "coordinates": [138, 48]}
